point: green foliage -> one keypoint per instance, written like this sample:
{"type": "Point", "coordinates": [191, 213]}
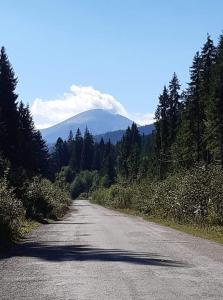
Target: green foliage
{"type": "Point", "coordinates": [64, 178]}
{"type": "Point", "coordinates": [8, 109]}
{"type": "Point", "coordinates": [11, 214]}
{"type": "Point", "coordinates": [59, 155]}
{"type": "Point", "coordinates": [87, 154]}
{"type": "Point", "coordinates": [43, 199]}
{"type": "Point", "coordinates": [105, 181]}
{"type": "Point", "coordinates": [116, 196]}
{"type": "Point", "coordinates": [20, 143]}
{"type": "Point", "coordinates": [76, 151]}
{"type": "Point", "coordinates": [193, 197]}
{"type": "Point", "coordinates": [129, 153]}
{"type": "Point", "coordinates": [83, 183]}
{"type": "Point", "coordinates": [23, 154]}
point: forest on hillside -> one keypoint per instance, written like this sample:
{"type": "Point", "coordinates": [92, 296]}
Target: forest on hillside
{"type": "Point", "coordinates": [26, 190]}
{"type": "Point", "coordinates": [176, 172]}
{"type": "Point", "coordinates": [173, 174]}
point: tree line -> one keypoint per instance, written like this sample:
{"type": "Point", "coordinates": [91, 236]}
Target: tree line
{"type": "Point", "coordinates": [21, 145]}
{"type": "Point", "coordinates": [188, 133]}
{"type": "Point", "coordinates": [25, 189]}
{"type": "Point", "coordinates": [81, 153]}
{"type": "Point", "coordinates": [188, 130]}
{"type": "Point", "coordinates": [182, 180]}
{"type": "Point", "coordinates": [189, 123]}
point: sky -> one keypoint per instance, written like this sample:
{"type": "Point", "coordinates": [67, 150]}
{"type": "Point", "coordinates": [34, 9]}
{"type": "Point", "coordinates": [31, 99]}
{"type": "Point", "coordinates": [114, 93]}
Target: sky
{"type": "Point", "coordinates": [74, 55]}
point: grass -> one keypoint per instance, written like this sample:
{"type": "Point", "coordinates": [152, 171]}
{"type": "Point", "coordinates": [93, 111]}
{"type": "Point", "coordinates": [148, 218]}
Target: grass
{"type": "Point", "coordinates": [213, 233]}
{"type": "Point", "coordinates": [27, 226]}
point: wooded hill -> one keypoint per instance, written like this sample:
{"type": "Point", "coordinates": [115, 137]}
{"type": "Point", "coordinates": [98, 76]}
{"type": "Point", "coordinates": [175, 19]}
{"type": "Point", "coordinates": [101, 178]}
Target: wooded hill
{"type": "Point", "coordinates": [174, 173]}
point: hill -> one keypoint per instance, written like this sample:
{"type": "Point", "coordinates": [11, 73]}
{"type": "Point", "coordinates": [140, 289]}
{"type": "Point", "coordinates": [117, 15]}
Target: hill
{"type": "Point", "coordinates": [98, 122]}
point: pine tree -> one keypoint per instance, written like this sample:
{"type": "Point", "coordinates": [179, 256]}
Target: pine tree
{"type": "Point", "coordinates": [101, 151]}
{"type": "Point", "coordinates": [208, 57]}
{"type": "Point", "coordinates": [8, 109]}
{"type": "Point", "coordinates": [70, 138]}
{"type": "Point", "coordinates": [87, 154]}
{"type": "Point", "coordinates": [173, 108]}
{"type": "Point", "coordinates": [215, 112]}
{"type": "Point", "coordinates": [70, 144]}
{"type": "Point", "coordinates": [26, 151]}
{"type": "Point", "coordinates": [60, 154]}
{"type": "Point", "coordinates": [75, 159]}
{"type": "Point", "coordinates": [42, 154]}
{"type": "Point", "coordinates": [124, 150]}
{"type": "Point", "coordinates": [97, 158]}
{"type": "Point", "coordinates": [129, 153]}
{"type": "Point", "coordinates": [195, 111]}
{"type": "Point", "coordinates": [109, 163]}
{"type": "Point", "coordinates": [162, 132]}
{"type": "Point", "coordinates": [134, 153]}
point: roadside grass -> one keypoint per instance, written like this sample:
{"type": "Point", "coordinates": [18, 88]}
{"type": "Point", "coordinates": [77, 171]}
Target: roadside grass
{"type": "Point", "coordinates": [27, 226]}
{"type": "Point", "coordinates": [212, 233]}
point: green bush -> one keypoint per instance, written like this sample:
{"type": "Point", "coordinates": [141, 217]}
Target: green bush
{"type": "Point", "coordinates": [195, 196]}
{"type": "Point", "coordinates": [64, 178]}
{"type": "Point", "coordinates": [43, 199]}
{"type": "Point", "coordinates": [11, 214]}
{"type": "Point", "coordinates": [83, 183]}
{"type": "Point", "coordinates": [105, 181]}
{"type": "Point", "coordinates": [116, 196]}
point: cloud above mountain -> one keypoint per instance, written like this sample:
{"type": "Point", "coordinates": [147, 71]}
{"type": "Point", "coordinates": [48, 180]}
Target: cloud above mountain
{"type": "Point", "coordinates": [79, 99]}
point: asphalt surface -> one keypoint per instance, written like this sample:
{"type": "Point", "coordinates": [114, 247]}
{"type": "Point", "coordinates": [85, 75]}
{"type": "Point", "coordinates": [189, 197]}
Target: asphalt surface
{"type": "Point", "coordinates": [97, 253]}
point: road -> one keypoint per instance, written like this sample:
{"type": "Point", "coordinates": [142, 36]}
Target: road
{"type": "Point", "coordinates": [96, 253]}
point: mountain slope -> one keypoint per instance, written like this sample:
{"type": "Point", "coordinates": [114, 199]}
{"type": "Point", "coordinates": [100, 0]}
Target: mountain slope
{"type": "Point", "coordinates": [98, 121]}
{"type": "Point", "coordinates": [115, 136]}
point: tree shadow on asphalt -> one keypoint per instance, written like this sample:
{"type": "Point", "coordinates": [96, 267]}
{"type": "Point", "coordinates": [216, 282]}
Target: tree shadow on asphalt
{"type": "Point", "coordinates": [59, 222]}
{"type": "Point", "coordinates": [53, 251]}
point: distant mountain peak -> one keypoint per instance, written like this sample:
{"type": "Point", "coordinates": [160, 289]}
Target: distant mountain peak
{"type": "Point", "coordinates": [98, 121]}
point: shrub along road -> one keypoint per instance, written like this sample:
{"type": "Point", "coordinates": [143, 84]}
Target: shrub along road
{"type": "Point", "coordinates": [97, 253]}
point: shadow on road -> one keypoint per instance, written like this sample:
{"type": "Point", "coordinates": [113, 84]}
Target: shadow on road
{"type": "Point", "coordinates": [71, 223]}
{"type": "Point", "coordinates": [56, 252]}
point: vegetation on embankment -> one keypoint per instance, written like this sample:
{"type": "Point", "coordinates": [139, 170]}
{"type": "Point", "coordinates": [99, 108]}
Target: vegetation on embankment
{"type": "Point", "coordinates": [40, 199]}
{"type": "Point", "coordinates": [190, 201]}
{"type": "Point", "coordinates": [26, 193]}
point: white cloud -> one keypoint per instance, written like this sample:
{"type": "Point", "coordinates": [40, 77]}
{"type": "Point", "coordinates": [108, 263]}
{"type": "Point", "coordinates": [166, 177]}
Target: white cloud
{"type": "Point", "coordinates": [49, 112]}
{"type": "Point", "coordinates": [142, 119]}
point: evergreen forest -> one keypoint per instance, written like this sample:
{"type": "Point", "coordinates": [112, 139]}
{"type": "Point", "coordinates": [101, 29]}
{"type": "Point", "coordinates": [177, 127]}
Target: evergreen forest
{"type": "Point", "coordinates": [174, 174]}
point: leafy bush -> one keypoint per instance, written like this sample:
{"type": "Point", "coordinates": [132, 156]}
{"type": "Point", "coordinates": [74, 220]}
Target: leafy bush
{"type": "Point", "coordinates": [43, 199]}
{"type": "Point", "coordinates": [65, 176]}
{"type": "Point", "coordinates": [84, 182]}
{"type": "Point", "coordinates": [11, 214]}
{"type": "Point", "coordinates": [116, 196]}
{"type": "Point", "coordinates": [105, 181]}
{"type": "Point", "coordinates": [192, 197]}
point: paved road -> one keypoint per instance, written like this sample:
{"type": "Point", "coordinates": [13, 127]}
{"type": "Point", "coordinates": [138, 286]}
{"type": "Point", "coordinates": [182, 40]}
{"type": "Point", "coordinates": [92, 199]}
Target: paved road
{"type": "Point", "coordinates": [96, 253]}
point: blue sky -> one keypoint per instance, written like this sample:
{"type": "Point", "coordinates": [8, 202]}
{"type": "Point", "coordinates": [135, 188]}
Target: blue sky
{"type": "Point", "coordinates": [124, 50]}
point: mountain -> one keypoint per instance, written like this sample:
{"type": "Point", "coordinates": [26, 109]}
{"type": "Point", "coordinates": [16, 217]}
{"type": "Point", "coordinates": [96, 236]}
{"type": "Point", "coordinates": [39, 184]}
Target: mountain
{"type": "Point", "coordinates": [116, 136]}
{"type": "Point", "coordinates": [98, 122]}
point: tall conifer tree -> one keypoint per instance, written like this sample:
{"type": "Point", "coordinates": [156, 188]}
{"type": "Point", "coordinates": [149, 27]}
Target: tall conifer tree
{"type": "Point", "coordinates": [87, 154]}
{"type": "Point", "coordinates": [9, 117]}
